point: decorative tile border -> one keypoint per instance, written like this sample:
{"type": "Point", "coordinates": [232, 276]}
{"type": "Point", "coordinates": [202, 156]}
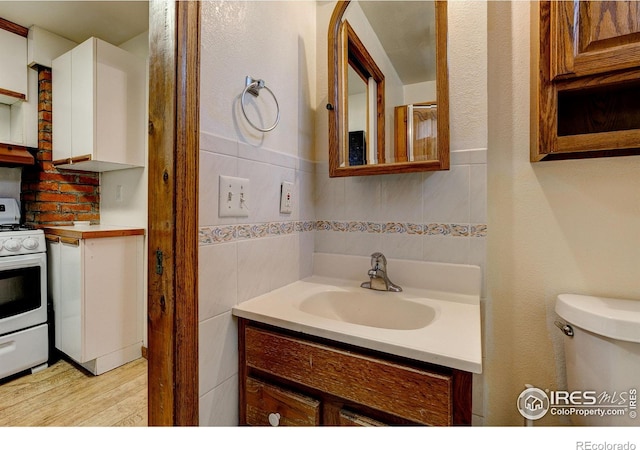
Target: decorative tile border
{"type": "Point", "coordinates": [229, 233]}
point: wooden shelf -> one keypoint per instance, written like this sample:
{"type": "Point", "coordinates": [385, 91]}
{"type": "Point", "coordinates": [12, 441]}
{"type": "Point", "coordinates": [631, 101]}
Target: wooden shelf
{"type": "Point", "coordinates": [585, 81]}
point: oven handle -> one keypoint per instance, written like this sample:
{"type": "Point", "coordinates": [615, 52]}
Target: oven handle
{"type": "Point", "coordinates": [7, 347]}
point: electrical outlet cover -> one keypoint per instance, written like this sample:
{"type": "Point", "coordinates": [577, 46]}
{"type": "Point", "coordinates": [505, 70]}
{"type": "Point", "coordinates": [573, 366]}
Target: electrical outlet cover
{"type": "Point", "coordinates": [286, 198]}
{"type": "Point", "coordinates": [233, 197]}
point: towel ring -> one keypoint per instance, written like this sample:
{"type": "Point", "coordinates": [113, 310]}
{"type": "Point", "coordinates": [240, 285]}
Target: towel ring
{"type": "Point", "coordinates": [253, 87]}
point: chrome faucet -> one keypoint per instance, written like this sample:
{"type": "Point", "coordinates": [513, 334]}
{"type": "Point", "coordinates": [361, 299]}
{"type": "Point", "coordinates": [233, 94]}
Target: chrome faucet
{"type": "Point", "coordinates": [378, 278]}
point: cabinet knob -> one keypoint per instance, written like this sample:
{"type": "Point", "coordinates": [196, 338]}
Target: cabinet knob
{"type": "Point", "coordinates": [274, 419]}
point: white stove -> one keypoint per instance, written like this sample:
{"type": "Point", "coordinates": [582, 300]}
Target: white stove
{"type": "Point", "coordinates": [24, 341]}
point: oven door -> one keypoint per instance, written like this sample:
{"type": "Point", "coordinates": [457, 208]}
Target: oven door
{"type": "Point", "coordinates": [23, 291]}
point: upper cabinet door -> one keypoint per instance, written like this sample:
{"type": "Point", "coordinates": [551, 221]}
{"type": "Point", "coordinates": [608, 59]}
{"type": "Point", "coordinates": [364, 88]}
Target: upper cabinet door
{"type": "Point", "coordinates": [591, 37]}
{"type": "Point", "coordinates": [13, 66]}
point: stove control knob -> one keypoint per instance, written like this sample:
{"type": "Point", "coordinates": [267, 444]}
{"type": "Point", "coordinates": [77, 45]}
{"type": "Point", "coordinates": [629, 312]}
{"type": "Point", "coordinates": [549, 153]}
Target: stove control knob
{"type": "Point", "coordinates": [30, 243]}
{"type": "Point", "coordinates": [12, 245]}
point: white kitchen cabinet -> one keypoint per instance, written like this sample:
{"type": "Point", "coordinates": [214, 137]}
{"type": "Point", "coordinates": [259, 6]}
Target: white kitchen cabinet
{"type": "Point", "coordinates": [98, 98]}
{"type": "Point", "coordinates": [19, 121]}
{"type": "Point", "coordinates": [96, 283]}
{"type": "Point", "coordinates": [13, 69]}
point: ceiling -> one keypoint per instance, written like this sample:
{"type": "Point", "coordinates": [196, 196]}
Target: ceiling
{"type": "Point", "coordinates": [112, 21]}
{"type": "Point", "coordinates": [406, 30]}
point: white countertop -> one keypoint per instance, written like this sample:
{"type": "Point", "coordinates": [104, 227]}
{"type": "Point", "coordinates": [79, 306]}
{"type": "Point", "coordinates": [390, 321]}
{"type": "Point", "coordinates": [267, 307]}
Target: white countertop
{"type": "Point", "coordinates": [452, 339]}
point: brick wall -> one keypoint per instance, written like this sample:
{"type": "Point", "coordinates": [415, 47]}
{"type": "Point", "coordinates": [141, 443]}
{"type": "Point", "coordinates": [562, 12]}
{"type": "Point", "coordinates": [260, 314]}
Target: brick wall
{"type": "Point", "coordinates": [50, 196]}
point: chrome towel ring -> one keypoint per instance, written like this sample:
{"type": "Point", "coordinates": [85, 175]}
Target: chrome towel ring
{"type": "Point", "coordinates": [253, 87]}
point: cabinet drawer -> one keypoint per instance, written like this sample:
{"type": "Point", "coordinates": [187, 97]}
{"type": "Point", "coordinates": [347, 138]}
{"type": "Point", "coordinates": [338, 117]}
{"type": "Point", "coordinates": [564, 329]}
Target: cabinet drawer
{"type": "Point", "coordinates": [410, 393]}
{"type": "Point", "coordinates": [351, 419]}
{"type": "Point", "coordinates": [294, 409]}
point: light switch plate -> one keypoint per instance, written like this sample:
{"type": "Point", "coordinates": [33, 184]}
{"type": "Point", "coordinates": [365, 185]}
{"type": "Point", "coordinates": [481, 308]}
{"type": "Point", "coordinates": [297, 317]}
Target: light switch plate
{"type": "Point", "coordinates": [286, 198]}
{"type": "Point", "coordinates": [233, 198]}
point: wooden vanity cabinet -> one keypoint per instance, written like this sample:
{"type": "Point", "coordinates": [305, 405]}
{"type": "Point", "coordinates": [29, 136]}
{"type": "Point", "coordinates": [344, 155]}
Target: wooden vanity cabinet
{"type": "Point", "coordinates": [297, 379]}
{"type": "Point", "coordinates": [585, 79]}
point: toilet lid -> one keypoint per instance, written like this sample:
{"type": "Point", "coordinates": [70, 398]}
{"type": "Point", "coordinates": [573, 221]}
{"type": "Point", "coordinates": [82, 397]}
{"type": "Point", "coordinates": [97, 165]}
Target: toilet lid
{"type": "Point", "coordinates": [611, 317]}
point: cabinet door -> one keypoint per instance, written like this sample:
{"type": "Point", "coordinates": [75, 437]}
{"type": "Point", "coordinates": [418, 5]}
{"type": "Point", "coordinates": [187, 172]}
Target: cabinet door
{"type": "Point", "coordinates": [99, 113]}
{"type": "Point", "coordinates": [267, 404]}
{"type": "Point", "coordinates": [69, 312]}
{"type": "Point", "coordinates": [61, 99]}
{"type": "Point", "coordinates": [82, 99]}
{"type": "Point", "coordinates": [590, 37]}
{"type": "Point", "coordinates": [112, 294]}
{"type": "Point", "coordinates": [13, 69]}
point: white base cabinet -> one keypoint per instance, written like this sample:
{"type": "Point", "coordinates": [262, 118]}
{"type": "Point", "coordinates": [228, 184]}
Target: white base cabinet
{"type": "Point", "coordinates": [97, 288]}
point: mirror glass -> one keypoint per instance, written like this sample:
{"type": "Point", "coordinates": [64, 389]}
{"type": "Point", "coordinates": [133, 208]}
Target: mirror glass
{"type": "Point", "coordinates": [388, 87]}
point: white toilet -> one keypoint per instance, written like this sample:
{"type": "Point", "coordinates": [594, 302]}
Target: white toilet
{"type": "Point", "coordinates": [602, 358]}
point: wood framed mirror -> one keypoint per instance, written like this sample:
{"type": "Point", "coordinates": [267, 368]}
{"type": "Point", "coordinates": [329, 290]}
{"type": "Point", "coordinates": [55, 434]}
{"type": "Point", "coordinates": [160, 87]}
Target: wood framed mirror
{"type": "Point", "coordinates": [388, 87]}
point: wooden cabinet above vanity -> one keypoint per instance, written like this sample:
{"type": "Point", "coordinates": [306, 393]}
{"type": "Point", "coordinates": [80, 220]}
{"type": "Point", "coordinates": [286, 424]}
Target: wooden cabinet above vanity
{"type": "Point", "coordinates": [585, 79]}
{"type": "Point", "coordinates": [289, 378]}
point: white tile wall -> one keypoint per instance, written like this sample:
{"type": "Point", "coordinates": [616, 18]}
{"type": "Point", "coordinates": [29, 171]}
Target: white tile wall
{"type": "Point", "coordinates": [243, 267]}
{"type": "Point", "coordinates": [219, 406]}
{"type": "Point", "coordinates": [453, 197]}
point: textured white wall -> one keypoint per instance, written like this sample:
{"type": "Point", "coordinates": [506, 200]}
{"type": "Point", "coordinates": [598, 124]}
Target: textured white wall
{"type": "Point", "coordinates": [555, 227]}
{"type": "Point", "coordinates": [240, 258]}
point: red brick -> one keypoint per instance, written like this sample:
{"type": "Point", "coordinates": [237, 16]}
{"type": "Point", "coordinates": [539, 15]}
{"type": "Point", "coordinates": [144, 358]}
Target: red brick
{"type": "Point", "coordinates": [54, 217]}
{"type": "Point", "coordinates": [95, 217]}
{"type": "Point", "coordinates": [55, 197]}
{"type": "Point", "coordinates": [55, 176]}
{"type": "Point", "coordinates": [87, 189]}
{"type": "Point", "coordinates": [48, 186]}
{"type": "Point", "coordinates": [44, 206]}
{"type": "Point", "coordinates": [44, 74]}
{"type": "Point", "coordinates": [88, 199]}
{"type": "Point", "coordinates": [93, 180]}
{"type": "Point", "coordinates": [76, 207]}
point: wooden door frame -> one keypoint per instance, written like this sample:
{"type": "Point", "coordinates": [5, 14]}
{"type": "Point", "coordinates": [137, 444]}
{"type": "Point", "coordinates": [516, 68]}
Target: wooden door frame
{"type": "Point", "coordinates": [172, 303]}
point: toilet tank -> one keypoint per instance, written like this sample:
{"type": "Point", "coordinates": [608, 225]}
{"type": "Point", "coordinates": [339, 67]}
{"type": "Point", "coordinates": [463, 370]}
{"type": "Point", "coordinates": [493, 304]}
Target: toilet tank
{"type": "Point", "coordinates": [602, 358]}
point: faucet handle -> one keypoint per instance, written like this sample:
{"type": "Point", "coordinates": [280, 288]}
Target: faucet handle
{"type": "Point", "coordinates": [377, 258]}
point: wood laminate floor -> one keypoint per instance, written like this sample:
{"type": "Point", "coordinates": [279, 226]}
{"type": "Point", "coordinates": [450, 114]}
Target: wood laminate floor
{"type": "Point", "coordinates": [63, 395]}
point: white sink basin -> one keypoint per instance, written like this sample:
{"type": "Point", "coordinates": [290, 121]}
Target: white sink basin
{"type": "Point", "coordinates": [369, 308]}
{"type": "Point", "coordinates": [435, 319]}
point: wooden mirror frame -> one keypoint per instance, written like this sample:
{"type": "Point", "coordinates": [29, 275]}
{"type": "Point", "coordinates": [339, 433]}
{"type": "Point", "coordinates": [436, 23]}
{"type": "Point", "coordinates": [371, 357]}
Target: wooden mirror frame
{"type": "Point", "coordinates": [352, 49]}
{"type": "Point", "coordinates": [336, 103]}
